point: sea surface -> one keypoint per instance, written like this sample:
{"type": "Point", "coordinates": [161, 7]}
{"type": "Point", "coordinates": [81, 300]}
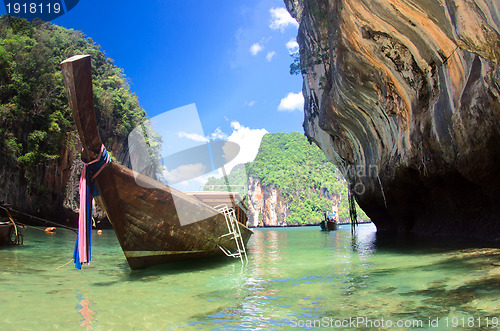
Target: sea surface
{"type": "Point", "coordinates": [296, 278]}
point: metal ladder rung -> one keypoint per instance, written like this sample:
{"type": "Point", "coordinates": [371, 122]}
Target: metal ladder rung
{"type": "Point", "coordinates": [228, 234]}
{"type": "Point", "coordinates": [228, 253]}
{"type": "Point", "coordinates": [234, 231]}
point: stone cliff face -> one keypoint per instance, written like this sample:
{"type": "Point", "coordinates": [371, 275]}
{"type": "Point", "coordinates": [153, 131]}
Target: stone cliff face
{"type": "Point", "coordinates": [54, 193]}
{"type": "Point", "coordinates": [405, 97]}
{"type": "Point", "coordinates": [47, 192]}
{"type": "Point", "coordinates": [266, 206]}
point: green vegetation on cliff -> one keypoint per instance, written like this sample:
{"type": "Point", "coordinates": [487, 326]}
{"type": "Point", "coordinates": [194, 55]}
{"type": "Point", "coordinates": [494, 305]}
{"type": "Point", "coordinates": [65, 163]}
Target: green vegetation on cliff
{"type": "Point", "coordinates": [35, 120]}
{"type": "Point", "coordinates": [300, 171]}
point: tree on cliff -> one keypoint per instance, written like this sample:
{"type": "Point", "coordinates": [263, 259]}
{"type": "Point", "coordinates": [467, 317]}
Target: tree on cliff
{"type": "Point", "coordinates": [36, 124]}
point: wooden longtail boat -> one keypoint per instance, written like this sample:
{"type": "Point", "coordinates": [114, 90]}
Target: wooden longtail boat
{"type": "Point", "coordinates": [329, 223]}
{"type": "Point", "coordinates": [147, 215]}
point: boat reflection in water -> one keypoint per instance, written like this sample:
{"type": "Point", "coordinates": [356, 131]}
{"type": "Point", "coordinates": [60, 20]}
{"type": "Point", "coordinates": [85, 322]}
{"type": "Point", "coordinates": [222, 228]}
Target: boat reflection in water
{"type": "Point", "coordinates": [84, 307]}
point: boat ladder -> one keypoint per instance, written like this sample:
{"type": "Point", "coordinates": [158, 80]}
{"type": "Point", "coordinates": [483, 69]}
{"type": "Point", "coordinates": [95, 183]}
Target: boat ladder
{"type": "Point", "coordinates": [234, 233]}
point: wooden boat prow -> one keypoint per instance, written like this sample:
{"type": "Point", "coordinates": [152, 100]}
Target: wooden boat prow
{"type": "Point", "coordinates": [148, 217]}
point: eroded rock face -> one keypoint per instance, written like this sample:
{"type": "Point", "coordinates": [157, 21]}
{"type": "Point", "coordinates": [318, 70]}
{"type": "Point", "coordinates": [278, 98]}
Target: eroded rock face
{"type": "Point", "coordinates": [266, 206]}
{"type": "Point", "coordinates": [405, 96]}
{"type": "Point", "coordinates": [55, 189]}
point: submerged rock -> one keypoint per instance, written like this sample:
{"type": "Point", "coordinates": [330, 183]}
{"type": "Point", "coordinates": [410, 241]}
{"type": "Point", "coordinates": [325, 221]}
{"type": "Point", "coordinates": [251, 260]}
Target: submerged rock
{"type": "Point", "coordinates": [405, 97]}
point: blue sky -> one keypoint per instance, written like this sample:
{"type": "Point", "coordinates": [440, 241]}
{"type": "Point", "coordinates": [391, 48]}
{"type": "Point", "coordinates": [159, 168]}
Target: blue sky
{"type": "Point", "coordinates": [230, 58]}
{"type": "Point", "coordinates": [178, 52]}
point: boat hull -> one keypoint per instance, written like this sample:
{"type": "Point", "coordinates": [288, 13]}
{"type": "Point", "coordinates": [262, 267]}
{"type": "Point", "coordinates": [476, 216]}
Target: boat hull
{"type": "Point", "coordinates": [328, 226]}
{"type": "Point", "coordinates": [6, 233]}
{"type": "Point", "coordinates": [146, 217]}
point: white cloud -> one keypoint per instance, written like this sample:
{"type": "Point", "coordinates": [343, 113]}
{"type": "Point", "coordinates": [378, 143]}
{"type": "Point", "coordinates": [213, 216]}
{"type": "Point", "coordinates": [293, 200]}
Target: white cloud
{"type": "Point", "coordinates": [197, 184]}
{"type": "Point", "coordinates": [270, 56]}
{"type": "Point", "coordinates": [235, 125]}
{"type": "Point", "coordinates": [218, 134]}
{"type": "Point", "coordinates": [193, 176]}
{"type": "Point", "coordinates": [192, 136]}
{"type": "Point", "coordinates": [280, 19]}
{"type": "Point", "coordinates": [249, 103]}
{"type": "Point", "coordinates": [256, 48]}
{"type": "Point", "coordinates": [249, 141]}
{"type": "Point", "coordinates": [293, 101]}
{"type": "Point", "coordinates": [184, 172]}
{"type": "Point", "coordinates": [292, 46]}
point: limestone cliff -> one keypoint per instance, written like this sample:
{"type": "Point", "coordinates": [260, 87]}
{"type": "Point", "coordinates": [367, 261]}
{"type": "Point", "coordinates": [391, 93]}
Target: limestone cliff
{"type": "Point", "coordinates": [54, 192]}
{"type": "Point", "coordinates": [268, 206]}
{"type": "Point", "coordinates": [265, 204]}
{"type": "Point", "coordinates": [404, 96]}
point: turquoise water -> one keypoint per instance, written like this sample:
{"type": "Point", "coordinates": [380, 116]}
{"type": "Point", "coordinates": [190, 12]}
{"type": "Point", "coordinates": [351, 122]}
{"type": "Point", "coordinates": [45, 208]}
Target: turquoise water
{"type": "Point", "coordinates": [296, 278]}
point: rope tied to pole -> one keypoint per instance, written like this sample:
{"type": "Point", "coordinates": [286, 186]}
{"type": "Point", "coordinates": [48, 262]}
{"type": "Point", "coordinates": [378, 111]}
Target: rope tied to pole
{"type": "Point", "coordinates": [88, 190]}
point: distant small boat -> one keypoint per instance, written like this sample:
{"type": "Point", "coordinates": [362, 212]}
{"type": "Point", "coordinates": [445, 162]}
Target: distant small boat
{"type": "Point", "coordinates": [329, 223]}
{"type": "Point", "coordinates": [153, 222]}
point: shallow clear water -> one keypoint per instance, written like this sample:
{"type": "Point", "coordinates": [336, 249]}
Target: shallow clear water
{"type": "Point", "coordinates": [296, 278]}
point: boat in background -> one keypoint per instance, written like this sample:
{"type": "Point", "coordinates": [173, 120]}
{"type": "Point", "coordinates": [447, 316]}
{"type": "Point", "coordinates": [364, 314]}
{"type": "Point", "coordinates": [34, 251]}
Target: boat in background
{"type": "Point", "coordinates": [330, 221]}
{"type": "Point", "coordinates": [149, 217]}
